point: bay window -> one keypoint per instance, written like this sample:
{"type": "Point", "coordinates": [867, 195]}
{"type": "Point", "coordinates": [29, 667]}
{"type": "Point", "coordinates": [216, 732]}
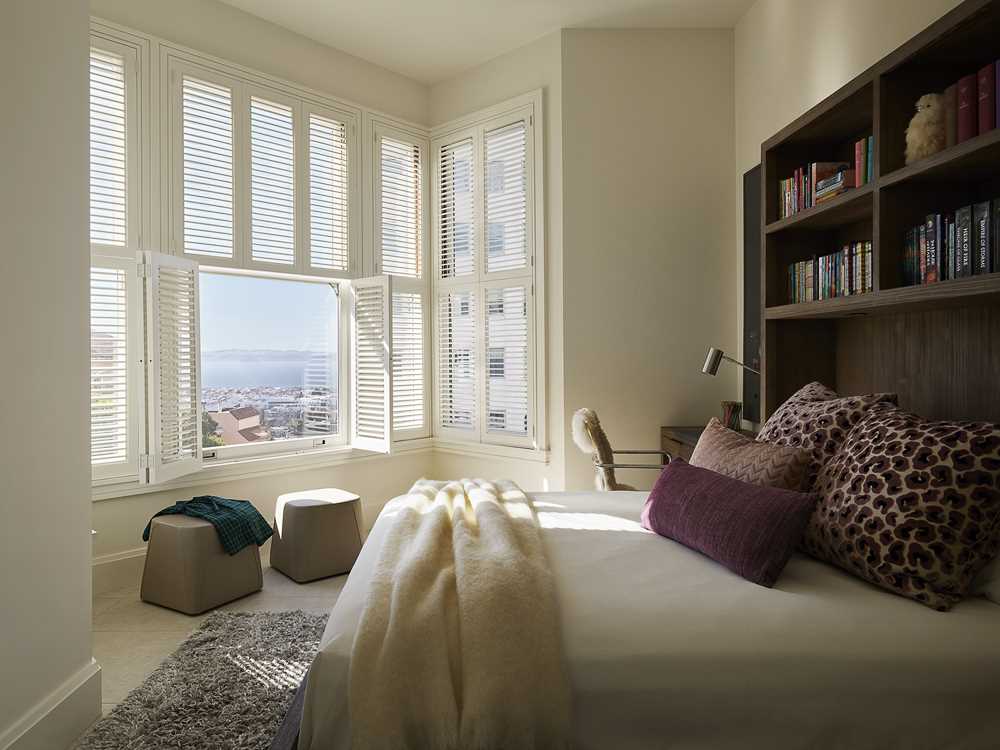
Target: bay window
{"type": "Point", "coordinates": [274, 271]}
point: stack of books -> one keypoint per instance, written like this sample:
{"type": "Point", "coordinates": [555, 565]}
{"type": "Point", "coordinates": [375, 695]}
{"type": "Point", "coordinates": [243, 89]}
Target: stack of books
{"type": "Point", "coordinates": [845, 272]}
{"type": "Point", "coordinates": [953, 245]}
{"type": "Point", "coordinates": [972, 105]}
{"type": "Point", "coordinates": [820, 181]}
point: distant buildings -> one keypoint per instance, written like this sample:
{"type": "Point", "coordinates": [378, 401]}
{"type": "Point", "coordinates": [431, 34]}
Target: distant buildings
{"type": "Point", "coordinates": [240, 424]}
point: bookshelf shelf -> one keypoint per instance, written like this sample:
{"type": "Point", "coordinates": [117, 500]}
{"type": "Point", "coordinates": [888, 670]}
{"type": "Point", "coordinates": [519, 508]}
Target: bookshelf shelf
{"type": "Point", "coordinates": [975, 158]}
{"type": "Point", "coordinates": [854, 205]}
{"type": "Point", "coordinates": [926, 297]}
{"type": "Point", "coordinates": [936, 345]}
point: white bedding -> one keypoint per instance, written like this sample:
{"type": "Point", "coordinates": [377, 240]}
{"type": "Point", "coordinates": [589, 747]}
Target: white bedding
{"type": "Point", "coordinates": [667, 649]}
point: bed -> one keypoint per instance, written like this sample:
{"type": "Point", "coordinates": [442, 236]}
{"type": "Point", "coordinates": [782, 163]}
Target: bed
{"type": "Point", "coordinates": [667, 649]}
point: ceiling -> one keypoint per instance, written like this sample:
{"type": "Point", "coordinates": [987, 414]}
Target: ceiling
{"type": "Point", "coordinates": [432, 40]}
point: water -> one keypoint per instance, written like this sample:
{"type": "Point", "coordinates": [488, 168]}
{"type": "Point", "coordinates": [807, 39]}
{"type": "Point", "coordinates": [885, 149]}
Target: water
{"type": "Point", "coordinates": [247, 374]}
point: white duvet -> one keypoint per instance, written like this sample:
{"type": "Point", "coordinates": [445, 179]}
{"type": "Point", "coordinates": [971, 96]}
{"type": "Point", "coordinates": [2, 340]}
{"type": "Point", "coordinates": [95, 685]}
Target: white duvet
{"type": "Point", "coordinates": [667, 649]}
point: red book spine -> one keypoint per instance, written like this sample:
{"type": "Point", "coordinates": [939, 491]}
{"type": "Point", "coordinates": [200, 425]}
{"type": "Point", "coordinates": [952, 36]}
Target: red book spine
{"type": "Point", "coordinates": [987, 106]}
{"type": "Point", "coordinates": [968, 108]}
{"type": "Point", "coordinates": [858, 168]}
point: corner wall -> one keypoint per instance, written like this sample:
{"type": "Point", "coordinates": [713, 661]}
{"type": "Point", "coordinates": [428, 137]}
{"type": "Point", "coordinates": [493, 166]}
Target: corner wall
{"type": "Point", "coordinates": [648, 197]}
{"type": "Point", "coordinates": [792, 55]}
{"type": "Point", "coordinates": [50, 691]}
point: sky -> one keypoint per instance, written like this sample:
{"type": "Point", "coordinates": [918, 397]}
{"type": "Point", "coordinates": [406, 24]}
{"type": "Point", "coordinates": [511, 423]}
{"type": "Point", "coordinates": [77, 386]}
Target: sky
{"type": "Point", "coordinates": [244, 312]}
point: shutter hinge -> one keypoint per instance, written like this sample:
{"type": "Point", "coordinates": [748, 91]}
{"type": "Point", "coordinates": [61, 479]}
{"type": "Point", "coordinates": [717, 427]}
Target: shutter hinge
{"type": "Point", "coordinates": [531, 121]}
{"type": "Point", "coordinates": [142, 270]}
{"type": "Point", "coordinates": [144, 462]}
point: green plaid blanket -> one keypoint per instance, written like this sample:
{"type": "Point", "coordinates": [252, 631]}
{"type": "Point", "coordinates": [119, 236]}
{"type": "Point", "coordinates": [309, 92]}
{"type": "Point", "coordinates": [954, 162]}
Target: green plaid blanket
{"type": "Point", "coordinates": [238, 523]}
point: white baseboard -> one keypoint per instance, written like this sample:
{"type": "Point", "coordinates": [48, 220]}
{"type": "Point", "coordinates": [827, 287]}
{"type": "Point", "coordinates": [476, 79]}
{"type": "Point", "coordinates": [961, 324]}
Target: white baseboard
{"type": "Point", "coordinates": [58, 719]}
{"type": "Point", "coordinates": [118, 570]}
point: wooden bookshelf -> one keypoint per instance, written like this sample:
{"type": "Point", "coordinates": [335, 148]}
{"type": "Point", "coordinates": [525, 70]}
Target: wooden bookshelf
{"type": "Point", "coordinates": [879, 341]}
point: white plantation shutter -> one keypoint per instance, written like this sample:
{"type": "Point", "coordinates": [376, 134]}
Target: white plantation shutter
{"type": "Point", "coordinates": [207, 174]}
{"type": "Point", "coordinates": [114, 324]}
{"type": "Point", "coordinates": [399, 208]}
{"type": "Point", "coordinates": [407, 363]}
{"type": "Point", "coordinates": [173, 353]}
{"type": "Point", "coordinates": [370, 336]}
{"type": "Point", "coordinates": [508, 367]}
{"type": "Point", "coordinates": [328, 194]}
{"type": "Point", "coordinates": [108, 149]}
{"type": "Point", "coordinates": [456, 210]}
{"type": "Point", "coordinates": [506, 198]}
{"type": "Point", "coordinates": [272, 182]}
{"type": "Point", "coordinates": [457, 357]}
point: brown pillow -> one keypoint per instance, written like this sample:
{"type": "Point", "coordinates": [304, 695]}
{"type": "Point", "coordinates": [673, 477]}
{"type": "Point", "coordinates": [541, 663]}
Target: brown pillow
{"type": "Point", "coordinates": [817, 419]}
{"type": "Point", "coordinates": [740, 457]}
{"type": "Point", "coordinates": [910, 505]}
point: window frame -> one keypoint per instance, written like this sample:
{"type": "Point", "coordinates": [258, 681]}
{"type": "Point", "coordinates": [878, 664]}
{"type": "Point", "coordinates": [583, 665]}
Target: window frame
{"type": "Point", "coordinates": [292, 446]}
{"type": "Point", "coordinates": [526, 108]}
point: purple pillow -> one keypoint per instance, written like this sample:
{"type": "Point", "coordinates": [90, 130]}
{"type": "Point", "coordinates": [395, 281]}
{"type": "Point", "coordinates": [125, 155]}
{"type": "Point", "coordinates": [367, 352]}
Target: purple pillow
{"type": "Point", "coordinates": [750, 529]}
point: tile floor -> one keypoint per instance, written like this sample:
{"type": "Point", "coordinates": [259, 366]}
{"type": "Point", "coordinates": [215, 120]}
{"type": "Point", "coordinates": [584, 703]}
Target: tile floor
{"type": "Point", "coordinates": [131, 637]}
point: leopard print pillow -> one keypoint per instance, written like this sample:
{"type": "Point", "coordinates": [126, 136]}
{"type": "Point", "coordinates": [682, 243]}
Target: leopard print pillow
{"type": "Point", "coordinates": [910, 505]}
{"type": "Point", "coordinates": [817, 419]}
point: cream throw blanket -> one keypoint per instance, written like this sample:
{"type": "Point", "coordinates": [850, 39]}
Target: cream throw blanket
{"type": "Point", "coordinates": [459, 643]}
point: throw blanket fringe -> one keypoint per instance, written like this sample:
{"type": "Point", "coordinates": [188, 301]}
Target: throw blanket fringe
{"type": "Point", "coordinates": [459, 643]}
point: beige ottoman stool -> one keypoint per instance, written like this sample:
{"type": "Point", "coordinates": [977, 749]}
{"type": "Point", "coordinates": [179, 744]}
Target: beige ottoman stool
{"type": "Point", "coordinates": [188, 570]}
{"type": "Point", "coordinates": [317, 533]}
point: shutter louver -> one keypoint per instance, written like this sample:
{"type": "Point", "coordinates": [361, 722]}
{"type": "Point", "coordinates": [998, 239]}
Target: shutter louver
{"type": "Point", "coordinates": [456, 209]}
{"type": "Point", "coordinates": [506, 198]}
{"type": "Point", "coordinates": [457, 345]}
{"type": "Point", "coordinates": [407, 361]}
{"type": "Point", "coordinates": [507, 367]}
{"type": "Point", "coordinates": [207, 119]}
{"type": "Point", "coordinates": [109, 367]}
{"type": "Point", "coordinates": [370, 333]}
{"type": "Point", "coordinates": [399, 207]}
{"type": "Point", "coordinates": [108, 179]}
{"type": "Point", "coordinates": [328, 191]}
{"type": "Point", "coordinates": [272, 182]}
{"type": "Point", "coordinates": [174, 380]}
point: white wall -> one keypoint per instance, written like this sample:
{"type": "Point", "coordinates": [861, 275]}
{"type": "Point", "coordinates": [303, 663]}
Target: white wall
{"type": "Point", "coordinates": [648, 227]}
{"type": "Point", "coordinates": [226, 32]}
{"type": "Point", "coordinates": [534, 66]}
{"type": "Point", "coordinates": [44, 454]}
{"type": "Point", "coordinates": [792, 54]}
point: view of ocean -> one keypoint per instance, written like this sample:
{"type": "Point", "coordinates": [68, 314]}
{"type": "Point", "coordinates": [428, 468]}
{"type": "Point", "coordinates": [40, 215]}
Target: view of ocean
{"type": "Point", "coordinates": [247, 374]}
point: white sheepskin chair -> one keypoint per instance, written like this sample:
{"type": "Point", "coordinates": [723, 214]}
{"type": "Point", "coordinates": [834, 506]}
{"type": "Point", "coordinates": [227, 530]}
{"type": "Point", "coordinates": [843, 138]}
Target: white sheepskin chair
{"type": "Point", "coordinates": [590, 438]}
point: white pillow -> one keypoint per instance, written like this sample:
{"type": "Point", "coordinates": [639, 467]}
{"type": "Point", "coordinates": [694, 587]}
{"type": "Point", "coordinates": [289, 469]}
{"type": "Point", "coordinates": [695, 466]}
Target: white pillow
{"type": "Point", "coordinates": [987, 582]}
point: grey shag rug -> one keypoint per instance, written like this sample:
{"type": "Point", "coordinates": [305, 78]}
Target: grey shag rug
{"type": "Point", "coordinates": [227, 687]}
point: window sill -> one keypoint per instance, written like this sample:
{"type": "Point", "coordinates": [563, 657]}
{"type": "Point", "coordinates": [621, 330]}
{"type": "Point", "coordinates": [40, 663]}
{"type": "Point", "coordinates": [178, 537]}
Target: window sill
{"type": "Point", "coordinates": [258, 466]}
{"type": "Point", "coordinates": [489, 450]}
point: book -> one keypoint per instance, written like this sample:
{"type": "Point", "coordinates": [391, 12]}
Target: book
{"type": "Point", "coordinates": [951, 115]}
{"type": "Point", "coordinates": [947, 246]}
{"type": "Point", "coordinates": [968, 108]}
{"type": "Point", "coordinates": [842, 177]}
{"type": "Point", "coordinates": [996, 234]}
{"type": "Point", "coordinates": [963, 242]}
{"type": "Point", "coordinates": [922, 254]}
{"type": "Point", "coordinates": [981, 259]}
{"type": "Point", "coordinates": [986, 85]}
{"type": "Point", "coordinates": [859, 161]}
{"type": "Point", "coordinates": [870, 166]}
{"type": "Point", "coordinates": [932, 229]}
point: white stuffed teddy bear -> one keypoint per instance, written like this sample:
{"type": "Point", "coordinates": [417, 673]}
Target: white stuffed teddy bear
{"type": "Point", "coordinates": [925, 134]}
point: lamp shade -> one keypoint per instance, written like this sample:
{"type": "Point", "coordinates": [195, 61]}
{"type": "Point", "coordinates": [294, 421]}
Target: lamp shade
{"type": "Point", "coordinates": [712, 361]}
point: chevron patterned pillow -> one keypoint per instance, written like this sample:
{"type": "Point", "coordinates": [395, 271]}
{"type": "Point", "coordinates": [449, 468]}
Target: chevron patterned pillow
{"type": "Point", "coordinates": [740, 457]}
